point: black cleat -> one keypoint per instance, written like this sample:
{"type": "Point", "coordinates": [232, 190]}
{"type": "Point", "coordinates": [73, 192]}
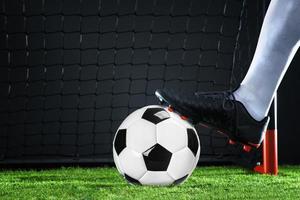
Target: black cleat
{"type": "Point", "coordinates": [219, 110]}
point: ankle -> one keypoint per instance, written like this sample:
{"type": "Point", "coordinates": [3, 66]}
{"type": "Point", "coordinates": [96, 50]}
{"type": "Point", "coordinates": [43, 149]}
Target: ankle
{"type": "Point", "coordinates": [252, 103]}
{"type": "Point", "coordinates": [254, 112]}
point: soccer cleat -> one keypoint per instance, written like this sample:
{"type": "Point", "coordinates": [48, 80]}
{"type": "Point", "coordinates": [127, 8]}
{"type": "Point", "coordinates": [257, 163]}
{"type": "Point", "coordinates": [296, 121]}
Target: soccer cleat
{"type": "Point", "coordinates": [184, 117]}
{"type": "Point", "coordinates": [170, 109]}
{"type": "Point", "coordinates": [219, 110]}
{"type": "Point", "coordinates": [247, 148]}
{"type": "Point", "coordinates": [232, 142]}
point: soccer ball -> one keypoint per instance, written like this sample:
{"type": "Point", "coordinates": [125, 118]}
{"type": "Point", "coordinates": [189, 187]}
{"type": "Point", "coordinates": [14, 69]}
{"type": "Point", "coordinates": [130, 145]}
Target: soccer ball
{"type": "Point", "coordinates": [154, 146]}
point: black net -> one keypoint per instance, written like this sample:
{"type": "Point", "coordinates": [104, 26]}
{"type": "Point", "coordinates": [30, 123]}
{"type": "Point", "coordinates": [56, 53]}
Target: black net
{"type": "Point", "coordinates": [72, 70]}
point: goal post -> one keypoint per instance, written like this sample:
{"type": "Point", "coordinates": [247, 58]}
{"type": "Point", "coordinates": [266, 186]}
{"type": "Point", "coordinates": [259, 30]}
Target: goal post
{"type": "Point", "coordinates": [72, 70]}
{"type": "Point", "coordinates": [269, 163]}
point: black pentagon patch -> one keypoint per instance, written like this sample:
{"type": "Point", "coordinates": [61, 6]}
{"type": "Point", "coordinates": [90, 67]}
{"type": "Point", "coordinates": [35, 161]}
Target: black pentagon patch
{"type": "Point", "coordinates": [131, 180]}
{"type": "Point", "coordinates": [155, 115]}
{"type": "Point", "coordinates": [180, 180]}
{"type": "Point", "coordinates": [192, 141]}
{"type": "Point", "coordinates": [157, 158]}
{"type": "Point", "coordinates": [120, 141]}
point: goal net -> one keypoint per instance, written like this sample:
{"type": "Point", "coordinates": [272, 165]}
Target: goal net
{"type": "Point", "coordinates": [72, 70]}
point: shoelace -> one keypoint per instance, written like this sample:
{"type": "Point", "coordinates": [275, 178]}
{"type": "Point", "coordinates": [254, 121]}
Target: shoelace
{"type": "Point", "coordinates": [212, 102]}
{"type": "Point", "coordinates": [227, 97]}
{"type": "Point", "coordinates": [215, 103]}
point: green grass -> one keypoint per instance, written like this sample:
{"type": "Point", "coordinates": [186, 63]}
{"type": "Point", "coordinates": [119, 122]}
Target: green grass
{"type": "Point", "coordinates": [106, 183]}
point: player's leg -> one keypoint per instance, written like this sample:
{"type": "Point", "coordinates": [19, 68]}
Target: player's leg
{"type": "Point", "coordinates": [241, 114]}
{"type": "Point", "coordinates": [277, 45]}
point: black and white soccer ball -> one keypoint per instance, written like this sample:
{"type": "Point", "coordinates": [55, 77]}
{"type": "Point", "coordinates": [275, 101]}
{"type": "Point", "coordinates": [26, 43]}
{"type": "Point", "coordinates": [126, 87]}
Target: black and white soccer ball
{"type": "Point", "coordinates": [154, 146]}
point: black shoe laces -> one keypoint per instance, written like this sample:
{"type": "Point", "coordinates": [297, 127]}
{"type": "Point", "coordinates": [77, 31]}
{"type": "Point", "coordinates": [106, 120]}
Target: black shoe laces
{"type": "Point", "coordinates": [219, 108]}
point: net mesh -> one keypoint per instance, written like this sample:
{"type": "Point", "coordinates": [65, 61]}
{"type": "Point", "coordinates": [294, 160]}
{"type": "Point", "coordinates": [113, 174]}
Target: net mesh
{"type": "Point", "coordinates": [72, 70]}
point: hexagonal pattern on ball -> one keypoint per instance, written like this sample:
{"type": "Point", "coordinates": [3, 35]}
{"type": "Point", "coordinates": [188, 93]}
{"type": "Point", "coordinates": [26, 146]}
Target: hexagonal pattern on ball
{"type": "Point", "coordinates": [120, 141]}
{"type": "Point", "coordinates": [156, 115]}
{"type": "Point", "coordinates": [131, 180]}
{"type": "Point", "coordinates": [197, 155]}
{"type": "Point", "coordinates": [182, 163]}
{"type": "Point", "coordinates": [171, 135]}
{"type": "Point", "coordinates": [193, 142]}
{"type": "Point", "coordinates": [157, 158]}
{"type": "Point", "coordinates": [132, 163]}
{"type": "Point", "coordinates": [141, 135]}
{"type": "Point", "coordinates": [180, 180]}
{"type": "Point", "coordinates": [156, 178]}
{"type": "Point", "coordinates": [117, 163]}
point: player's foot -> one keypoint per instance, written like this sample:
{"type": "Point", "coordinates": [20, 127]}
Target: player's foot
{"type": "Point", "coordinates": [219, 110]}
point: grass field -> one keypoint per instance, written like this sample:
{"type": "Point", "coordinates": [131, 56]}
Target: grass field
{"type": "Point", "coordinates": [106, 183]}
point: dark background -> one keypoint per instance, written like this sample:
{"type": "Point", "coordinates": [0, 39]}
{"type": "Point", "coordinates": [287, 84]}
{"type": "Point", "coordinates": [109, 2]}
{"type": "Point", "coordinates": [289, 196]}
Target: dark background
{"type": "Point", "coordinates": [72, 70]}
{"type": "Point", "coordinates": [288, 111]}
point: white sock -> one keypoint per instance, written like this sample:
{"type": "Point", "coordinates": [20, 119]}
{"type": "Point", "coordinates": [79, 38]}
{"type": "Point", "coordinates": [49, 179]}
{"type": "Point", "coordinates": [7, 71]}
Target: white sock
{"type": "Point", "coordinates": [254, 106]}
{"type": "Point", "coordinates": [277, 45]}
